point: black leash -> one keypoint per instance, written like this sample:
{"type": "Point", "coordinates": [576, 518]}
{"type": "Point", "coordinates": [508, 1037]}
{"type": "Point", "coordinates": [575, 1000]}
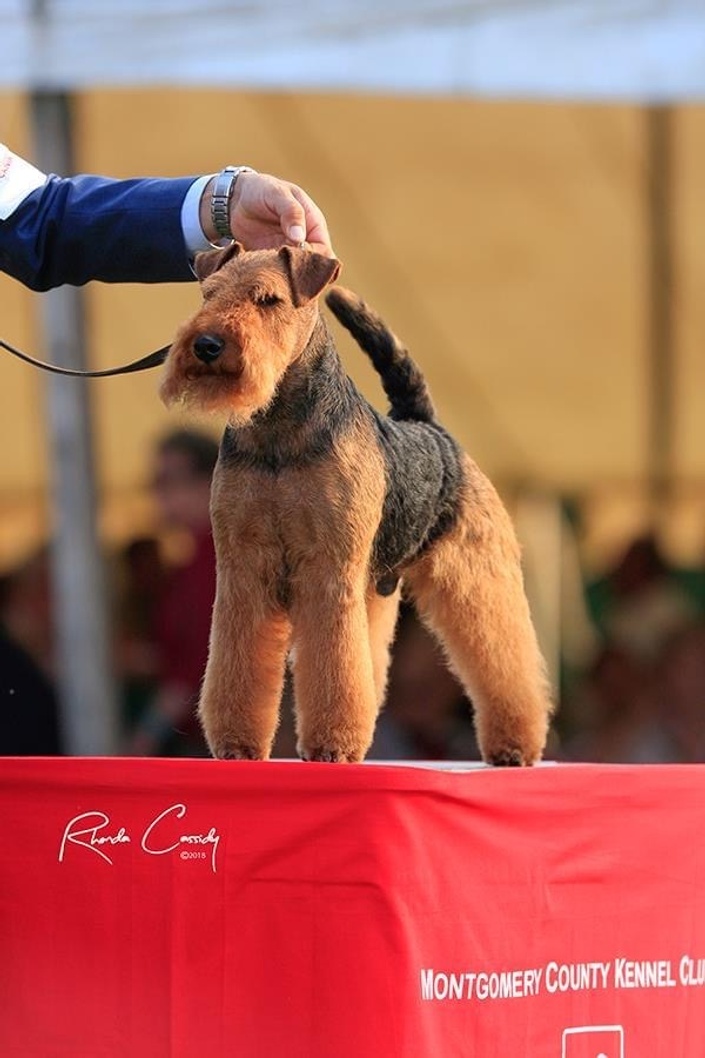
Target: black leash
{"type": "Point", "coordinates": [151, 360]}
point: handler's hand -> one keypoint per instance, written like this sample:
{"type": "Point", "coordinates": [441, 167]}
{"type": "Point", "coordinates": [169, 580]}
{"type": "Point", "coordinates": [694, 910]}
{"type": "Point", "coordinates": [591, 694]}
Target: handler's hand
{"type": "Point", "coordinates": [266, 213]}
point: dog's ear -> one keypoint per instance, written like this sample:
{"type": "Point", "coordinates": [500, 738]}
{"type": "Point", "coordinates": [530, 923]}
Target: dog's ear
{"type": "Point", "coordinates": [309, 272]}
{"type": "Point", "coordinates": [208, 262]}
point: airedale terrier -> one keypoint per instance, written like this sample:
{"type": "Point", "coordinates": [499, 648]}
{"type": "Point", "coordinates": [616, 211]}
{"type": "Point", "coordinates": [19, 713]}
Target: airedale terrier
{"type": "Point", "coordinates": [323, 508]}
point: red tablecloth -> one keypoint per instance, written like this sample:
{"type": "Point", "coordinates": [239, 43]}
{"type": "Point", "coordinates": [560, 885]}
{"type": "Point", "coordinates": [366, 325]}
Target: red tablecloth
{"type": "Point", "coordinates": [197, 909]}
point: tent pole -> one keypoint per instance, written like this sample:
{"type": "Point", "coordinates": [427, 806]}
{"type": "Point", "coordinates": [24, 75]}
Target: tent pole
{"type": "Point", "coordinates": [86, 688]}
{"type": "Point", "coordinates": [659, 291]}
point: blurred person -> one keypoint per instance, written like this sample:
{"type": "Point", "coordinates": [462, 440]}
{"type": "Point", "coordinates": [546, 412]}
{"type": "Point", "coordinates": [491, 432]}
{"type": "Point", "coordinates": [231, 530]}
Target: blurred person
{"type": "Point", "coordinates": [27, 611]}
{"type": "Point", "coordinates": [285, 739]}
{"type": "Point", "coordinates": [140, 578]}
{"type": "Point", "coordinates": [426, 715]}
{"type": "Point", "coordinates": [620, 711]}
{"type": "Point", "coordinates": [29, 718]}
{"type": "Point", "coordinates": [29, 713]}
{"type": "Point", "coordinates": [183, 468]}
{"type": "Point", "coordinates": [681, 694]}
{"type": "Point", "coordinates": [142, 574]}
{"type": "Point", "coordinates": [640, 603]}
{"type": "Point", "coordinates": [72, 230]}
{"type": "Point", "coordinates": [617, 715]}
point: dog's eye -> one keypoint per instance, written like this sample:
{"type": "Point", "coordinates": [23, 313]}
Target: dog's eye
{"type": "Point", "coordinates": [265, 300]}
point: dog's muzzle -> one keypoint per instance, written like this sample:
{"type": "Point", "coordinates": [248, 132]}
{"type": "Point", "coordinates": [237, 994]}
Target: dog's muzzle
{"type": "Point", "coordinates": [208, 347]}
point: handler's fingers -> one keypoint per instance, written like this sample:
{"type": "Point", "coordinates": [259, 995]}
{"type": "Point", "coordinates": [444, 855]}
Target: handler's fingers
{"type": "Point", "coordinates": [300, 219]}
{"type": "Point", "coordinates": [316, 228]}
{"type": "Point", "coordinates": [292, 215]}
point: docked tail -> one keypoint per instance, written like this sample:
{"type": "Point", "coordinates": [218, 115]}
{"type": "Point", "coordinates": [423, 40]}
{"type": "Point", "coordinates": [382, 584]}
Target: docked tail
{"type": "Point", "coordinates": [402, 381]}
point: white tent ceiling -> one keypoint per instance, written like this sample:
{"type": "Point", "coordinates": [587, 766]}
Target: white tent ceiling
{"type": "Point", "coordinates": [592, 49]}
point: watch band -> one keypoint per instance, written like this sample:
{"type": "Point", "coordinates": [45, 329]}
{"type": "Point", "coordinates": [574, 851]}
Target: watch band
{"type": "Point", "coordinates": [222, 194]}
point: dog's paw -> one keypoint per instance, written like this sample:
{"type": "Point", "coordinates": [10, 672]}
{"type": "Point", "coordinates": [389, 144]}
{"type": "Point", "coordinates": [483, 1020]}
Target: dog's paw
{"type": "Point", "coordinates": [238, 751]}
{"type": "Point", "coordinates": [513, 756]}
{"type": "Point", "coordinates": [513, 745]}
{"type": "Point", "coordinates": [326, 755]}
{"type": "Point", "coordinates": [508, 758]}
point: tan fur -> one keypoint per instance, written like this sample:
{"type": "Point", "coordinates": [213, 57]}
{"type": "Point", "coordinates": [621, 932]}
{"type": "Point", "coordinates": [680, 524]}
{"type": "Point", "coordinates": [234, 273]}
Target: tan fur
{"type": "Point", "coordinates": [469, 590]}
{"type": "Point", "coordinates": [294, 550]}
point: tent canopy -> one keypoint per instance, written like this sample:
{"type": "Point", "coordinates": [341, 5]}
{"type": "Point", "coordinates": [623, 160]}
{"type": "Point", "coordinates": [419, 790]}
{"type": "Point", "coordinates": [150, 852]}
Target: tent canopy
{"type": "Point", "coordinates": [596, 49]}
{"type": "Point", "coordinates": [505, 241]}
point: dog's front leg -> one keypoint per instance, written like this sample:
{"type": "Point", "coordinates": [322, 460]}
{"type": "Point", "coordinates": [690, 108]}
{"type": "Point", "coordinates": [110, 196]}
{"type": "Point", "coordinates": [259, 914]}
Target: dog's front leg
{"type": "Point", "coordinates": [334, 686]}
{"type": "Point", "coordinates": [239, 705]}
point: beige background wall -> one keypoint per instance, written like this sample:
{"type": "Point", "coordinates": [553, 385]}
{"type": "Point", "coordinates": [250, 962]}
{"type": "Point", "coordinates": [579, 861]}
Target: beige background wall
{"type": "Point", "coordinates": [505, 243]}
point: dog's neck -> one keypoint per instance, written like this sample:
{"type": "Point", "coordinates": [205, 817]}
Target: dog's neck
{"type": "Point", "coordinates": [314, 397]}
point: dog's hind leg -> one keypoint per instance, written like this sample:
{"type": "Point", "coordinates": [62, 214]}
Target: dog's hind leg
{"type": "Point", "coordinates": [239, 704]}
{"type": "Point", "coordinates": [469, 589]}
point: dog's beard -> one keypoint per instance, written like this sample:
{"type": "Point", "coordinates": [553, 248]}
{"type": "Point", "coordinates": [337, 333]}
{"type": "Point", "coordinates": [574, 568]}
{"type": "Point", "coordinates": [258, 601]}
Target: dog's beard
{"type": "Point", "coordinates": [240, 395]}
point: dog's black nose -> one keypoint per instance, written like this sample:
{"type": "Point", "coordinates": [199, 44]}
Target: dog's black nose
{"type": "Point", "coordinates": [208, 347]}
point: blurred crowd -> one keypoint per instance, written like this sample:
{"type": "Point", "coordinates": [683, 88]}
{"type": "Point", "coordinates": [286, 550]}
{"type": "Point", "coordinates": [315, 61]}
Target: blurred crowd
{"type": "Point", "coordinates": [641, 698]}
{"type": "Point", "coordinates": [161, 587]}
{"type": "Point", "coordinates": [638, 697]}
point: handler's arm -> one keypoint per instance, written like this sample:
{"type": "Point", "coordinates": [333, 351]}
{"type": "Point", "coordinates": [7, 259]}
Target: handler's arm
{"type": "Point", "coordinates": [89, 227]}
{"type": "Point", "coordinates": [55, 231]}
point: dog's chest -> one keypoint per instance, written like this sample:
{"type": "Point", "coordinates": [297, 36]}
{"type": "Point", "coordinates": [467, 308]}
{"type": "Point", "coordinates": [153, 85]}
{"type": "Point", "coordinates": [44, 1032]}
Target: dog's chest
{"type": "Point", "coordinates": [309, 515]}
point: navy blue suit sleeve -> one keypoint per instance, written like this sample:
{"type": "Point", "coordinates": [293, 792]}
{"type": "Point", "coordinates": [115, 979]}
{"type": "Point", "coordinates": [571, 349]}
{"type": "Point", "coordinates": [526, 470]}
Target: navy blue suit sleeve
{"type": "Point", "coordinates": [88, 227]}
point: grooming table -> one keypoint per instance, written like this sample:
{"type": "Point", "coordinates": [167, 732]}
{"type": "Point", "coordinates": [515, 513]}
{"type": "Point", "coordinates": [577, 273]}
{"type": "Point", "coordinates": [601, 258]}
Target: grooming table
{"type": "Point", "coordinates": [199, 909]}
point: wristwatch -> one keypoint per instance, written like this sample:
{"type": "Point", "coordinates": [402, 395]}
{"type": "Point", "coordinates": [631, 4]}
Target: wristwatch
{"type": "Point", "coordinates": [222, 194]}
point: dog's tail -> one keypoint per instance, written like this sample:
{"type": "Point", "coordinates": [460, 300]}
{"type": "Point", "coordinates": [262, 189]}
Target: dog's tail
{"type": "Point", "coordinates": [402, 381]}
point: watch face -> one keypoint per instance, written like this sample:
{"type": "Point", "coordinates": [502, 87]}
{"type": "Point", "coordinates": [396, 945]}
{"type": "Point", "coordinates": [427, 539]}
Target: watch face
{"type": "Point", "coordinates": [597, 1041]}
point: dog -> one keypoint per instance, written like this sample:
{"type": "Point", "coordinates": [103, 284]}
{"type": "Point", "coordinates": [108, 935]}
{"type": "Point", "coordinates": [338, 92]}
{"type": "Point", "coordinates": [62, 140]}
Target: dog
{"type": "Point", "coordinates": [322, 509]}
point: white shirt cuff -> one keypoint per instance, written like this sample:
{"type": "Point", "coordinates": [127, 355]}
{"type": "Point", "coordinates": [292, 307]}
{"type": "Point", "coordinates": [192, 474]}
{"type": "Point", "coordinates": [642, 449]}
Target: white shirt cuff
{"type": "Point", "coordinates": [194, 236]}
{"type": "Point", "coordinates": [18, 179]}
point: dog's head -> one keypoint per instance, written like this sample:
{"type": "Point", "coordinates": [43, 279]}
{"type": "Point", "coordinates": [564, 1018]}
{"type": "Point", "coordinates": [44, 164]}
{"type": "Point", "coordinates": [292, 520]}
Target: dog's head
{"type": "Point", "coordinates": [258, 313]}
